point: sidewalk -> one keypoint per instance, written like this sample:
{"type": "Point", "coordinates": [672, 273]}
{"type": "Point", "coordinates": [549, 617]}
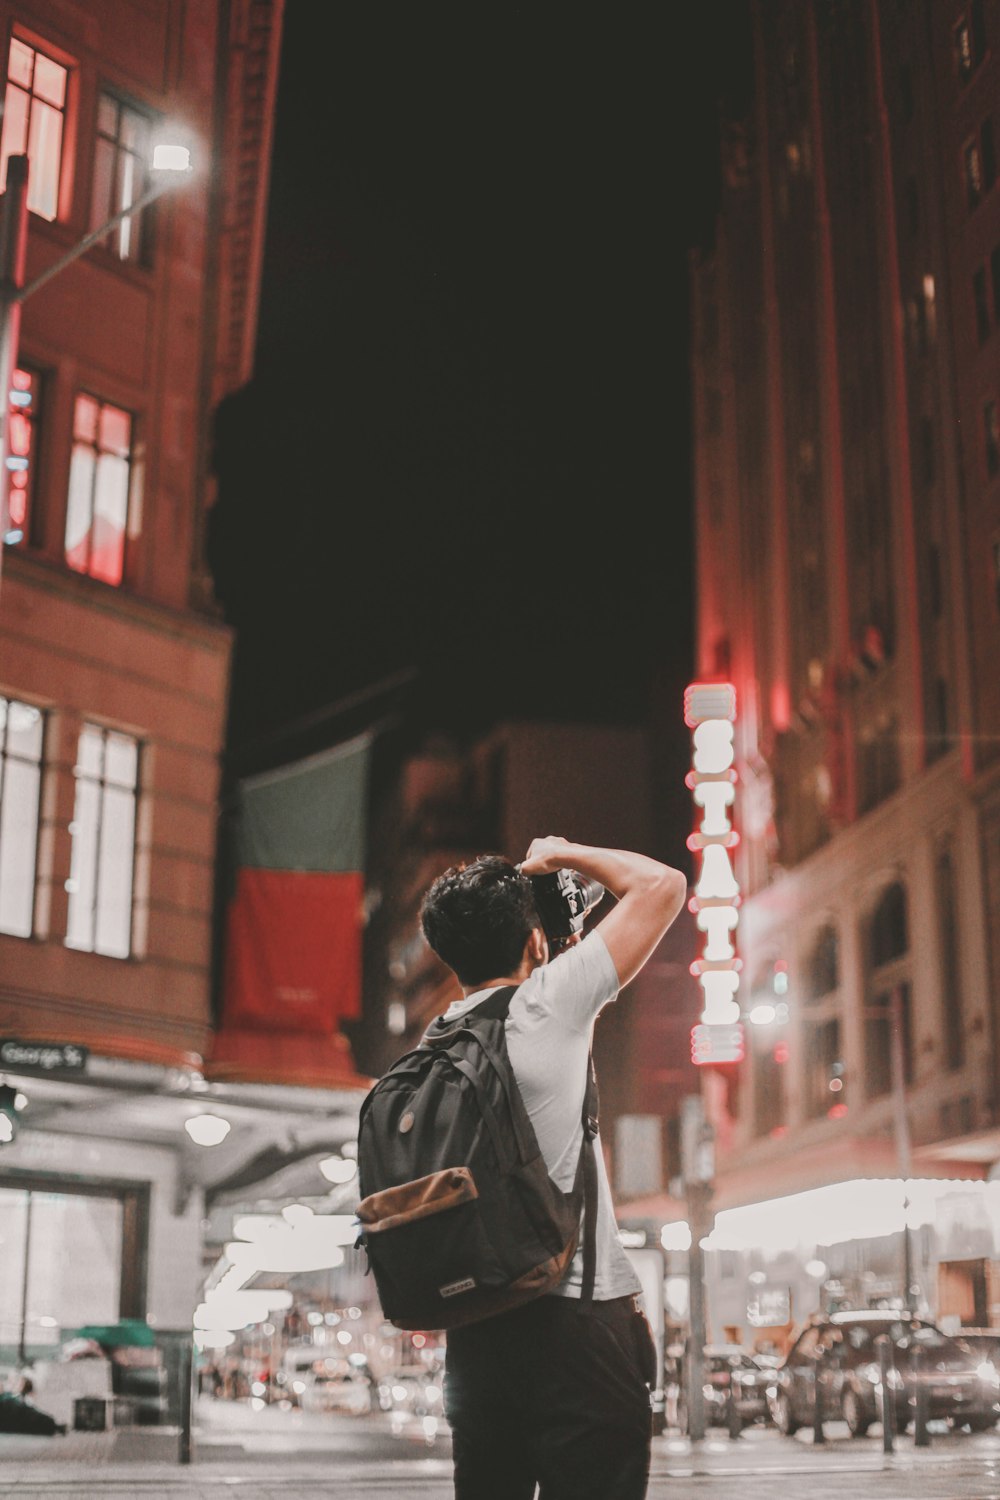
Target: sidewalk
{"type": "Point", "coordinates": [756, 1467]}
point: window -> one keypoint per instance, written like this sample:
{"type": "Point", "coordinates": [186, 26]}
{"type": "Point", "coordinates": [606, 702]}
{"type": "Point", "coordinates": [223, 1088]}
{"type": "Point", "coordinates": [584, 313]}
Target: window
{"type": "Point", "coordinates": [951, 988]}
{"type": "Point", "coordinates": [120, 176]}
{"type": "Point", "coordinates": [927, 450]}
{"type": "Point", "coordinates": [988, 154]}
{"type": "Point", "coordinates": [888, 1007]}
{"type": "Point", "coordinates": [824, 1069]}
{"type": "Point", "coordinates": [22, 419]}
{"type": "Point", "coordinates": [820, 974]}
{"type": "Point", "coordinates": [34, 122]}
{"type": "Point", "coordinates": [72, 1256]}
{"type": "Point", "coordinates": [970, 41]}
{"type": "Point", "coordinates": [102, 861]}
{"type": "Point", "coordinates": [963, 50]}
{"type": "Point", "coordinates": [981, 304]}
{"type": "Point", "coordinates": [973, 174]}
{"type": "Point", "coordinates": [995, 278]}
{"type": "Point", "coordinates": [100, 478]}
{"type": "Point", "coordinates": [22, 735]}
{"type": "Point", "coordinates": [980, 159]}
{"type": "Point", "coordinates": [991, 438]}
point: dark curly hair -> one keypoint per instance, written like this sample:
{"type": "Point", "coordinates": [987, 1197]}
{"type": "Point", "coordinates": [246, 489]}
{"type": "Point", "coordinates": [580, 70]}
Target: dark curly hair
{"type": "Point", "coordinates": [477, 917]}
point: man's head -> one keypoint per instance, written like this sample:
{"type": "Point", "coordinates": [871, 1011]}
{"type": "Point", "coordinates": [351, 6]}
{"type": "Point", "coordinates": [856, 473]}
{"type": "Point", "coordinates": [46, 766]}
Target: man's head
{"type": "Point", "coordinates": [478, 918]}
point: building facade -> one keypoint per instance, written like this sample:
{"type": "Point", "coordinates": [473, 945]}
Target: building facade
{"type": "Point", "coordinates": [846, 370]}
{"type": "Point", "coordinates": [114, 663]}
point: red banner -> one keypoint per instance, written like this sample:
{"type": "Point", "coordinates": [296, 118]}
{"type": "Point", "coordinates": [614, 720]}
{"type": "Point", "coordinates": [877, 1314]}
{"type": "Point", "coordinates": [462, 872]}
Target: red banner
{"type": "Point", "coordinates": [293, 955]}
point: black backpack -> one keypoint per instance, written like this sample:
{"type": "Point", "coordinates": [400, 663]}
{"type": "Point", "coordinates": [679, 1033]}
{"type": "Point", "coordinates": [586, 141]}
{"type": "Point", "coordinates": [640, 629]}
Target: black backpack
{"type": "Point", "coordinates": [459, 1216]}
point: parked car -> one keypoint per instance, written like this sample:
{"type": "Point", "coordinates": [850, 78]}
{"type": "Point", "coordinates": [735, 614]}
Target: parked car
{"type": "Point", "coordinates": [727, 1366]}
{"type": "Point", "coordinates": [839, 1353]}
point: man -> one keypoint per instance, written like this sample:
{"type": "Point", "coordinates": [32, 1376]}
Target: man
{"type": "Point", "coordinates": [550, 1394]}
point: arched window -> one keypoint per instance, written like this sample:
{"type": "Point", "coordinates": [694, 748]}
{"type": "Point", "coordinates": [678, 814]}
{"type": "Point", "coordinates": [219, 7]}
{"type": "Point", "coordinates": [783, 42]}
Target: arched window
{"type": "Point", "coordinates": [888, 928]}
{"type": "Point", "coordinates": [821, 970]}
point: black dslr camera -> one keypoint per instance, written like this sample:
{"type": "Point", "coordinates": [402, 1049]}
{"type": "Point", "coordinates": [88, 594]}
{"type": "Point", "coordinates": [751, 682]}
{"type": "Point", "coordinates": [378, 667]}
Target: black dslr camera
{"type": "Point", "coordinates": [563, 901]}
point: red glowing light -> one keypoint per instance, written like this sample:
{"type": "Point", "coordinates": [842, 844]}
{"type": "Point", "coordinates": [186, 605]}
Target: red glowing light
{"type": "Point", "coordinates": [781, 1052]}
{"type": "Point", "coordinates": [836, 1111]}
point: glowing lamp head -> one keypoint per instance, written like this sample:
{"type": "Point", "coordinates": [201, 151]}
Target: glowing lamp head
{"type": "Point", "coordinates": [170, 157]}
{"type": "Point", "coordinates": [207, 1129]}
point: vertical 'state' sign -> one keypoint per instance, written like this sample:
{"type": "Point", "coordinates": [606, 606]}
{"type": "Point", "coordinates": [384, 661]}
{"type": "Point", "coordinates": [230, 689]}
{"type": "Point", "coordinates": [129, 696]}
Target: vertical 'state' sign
{"type": "Point", "coordinates": [710, 712]}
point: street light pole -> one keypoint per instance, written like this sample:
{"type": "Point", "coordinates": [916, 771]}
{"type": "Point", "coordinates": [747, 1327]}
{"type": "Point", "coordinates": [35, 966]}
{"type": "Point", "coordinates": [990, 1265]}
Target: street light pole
{"type": "Point", "coordinates": [904, 1156]}
{"type": "Point", "coordinates": [169, 164]}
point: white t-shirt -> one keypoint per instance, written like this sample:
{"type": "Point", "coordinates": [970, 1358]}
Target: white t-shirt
{"type": "Point", "coordinates": [549, 1030]}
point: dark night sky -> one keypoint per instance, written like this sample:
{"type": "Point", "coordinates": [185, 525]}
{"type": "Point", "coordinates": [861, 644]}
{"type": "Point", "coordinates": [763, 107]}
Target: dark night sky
{"type": "Point", "coordinates": [466, 447]}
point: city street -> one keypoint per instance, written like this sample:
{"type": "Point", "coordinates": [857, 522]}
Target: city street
{"type": "Point", "coordinates": [274, 1453]}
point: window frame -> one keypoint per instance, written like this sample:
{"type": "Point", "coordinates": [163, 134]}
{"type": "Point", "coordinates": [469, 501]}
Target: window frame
{"type": "Point", "coordinates": [140, 746]}
{"type": "Point", "coordinates": [128, 540]}
{"type": "Point", "coordinates": [143, 224]}
{"type": "Point", "coordinates": [53, 53]}
{"type": "Point", "coordinates": [4, 756]}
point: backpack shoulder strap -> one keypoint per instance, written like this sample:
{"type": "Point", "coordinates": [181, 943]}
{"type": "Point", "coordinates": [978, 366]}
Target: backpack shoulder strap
{"type": "Point", "coordinates": [495, 1008]}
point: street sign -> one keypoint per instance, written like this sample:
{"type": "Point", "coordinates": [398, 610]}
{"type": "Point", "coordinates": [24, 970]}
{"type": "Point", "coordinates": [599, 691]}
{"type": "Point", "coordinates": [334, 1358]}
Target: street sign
{"type": "Point", "coordinates": [42, 1057]}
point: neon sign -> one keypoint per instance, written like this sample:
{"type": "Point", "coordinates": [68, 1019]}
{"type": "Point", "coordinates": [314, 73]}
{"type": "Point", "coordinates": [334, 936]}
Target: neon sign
{"type": "Point", "coordinates": [710, 712]}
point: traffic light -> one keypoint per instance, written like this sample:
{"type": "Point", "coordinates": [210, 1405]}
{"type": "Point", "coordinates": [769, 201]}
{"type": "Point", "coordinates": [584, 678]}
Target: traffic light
{"type": "Point", "coordinates": [11, 1104]}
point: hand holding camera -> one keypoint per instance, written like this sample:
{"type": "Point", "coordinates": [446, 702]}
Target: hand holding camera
{"type": "Point", "coordinates": [563, 898]}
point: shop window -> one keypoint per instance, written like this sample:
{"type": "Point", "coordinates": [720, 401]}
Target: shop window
{"type": "Point", "coordinates": [102, 860]}
{"type": "Point", "coordinates": [23, 414]}
{"type": "Point", "coordinates": [101, 510]}
{"type": "Point", "coordinates": [982, 306]}
{"type": "Point", "coordinates": [121, 165]}
{"type": "Point", "coordinates": [991, 438]}
{"type": "Point", "coordinates": [22, 736]}
{"type": "Point", "coordinates": [72, 1256]}
{"type": "Point", "coordinates": [34, 123]}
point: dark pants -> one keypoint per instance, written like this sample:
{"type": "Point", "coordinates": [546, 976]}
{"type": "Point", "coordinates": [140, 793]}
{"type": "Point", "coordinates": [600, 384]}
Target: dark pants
{"type": "Point", "coordinates": [553, 1396]}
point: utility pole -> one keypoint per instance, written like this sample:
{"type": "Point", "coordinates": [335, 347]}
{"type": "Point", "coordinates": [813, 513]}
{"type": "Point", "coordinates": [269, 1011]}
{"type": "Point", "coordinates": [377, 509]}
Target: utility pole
{"type": "Point", "coordinates": [904, 1156]}
{"type": "Point", "coordinates": [697, 1170]}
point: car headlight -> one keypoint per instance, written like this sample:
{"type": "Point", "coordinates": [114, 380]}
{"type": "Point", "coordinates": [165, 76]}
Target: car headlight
{"type": "Point", "coordinates": [988, 1373]}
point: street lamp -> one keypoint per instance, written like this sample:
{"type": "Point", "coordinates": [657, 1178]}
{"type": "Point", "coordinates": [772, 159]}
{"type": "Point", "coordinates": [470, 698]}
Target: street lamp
{"type": "Point", "coordinates": [171, 164]}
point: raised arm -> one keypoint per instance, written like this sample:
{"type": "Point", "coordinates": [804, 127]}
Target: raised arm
{"type": "Point", "coordinates": [648, 895]}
